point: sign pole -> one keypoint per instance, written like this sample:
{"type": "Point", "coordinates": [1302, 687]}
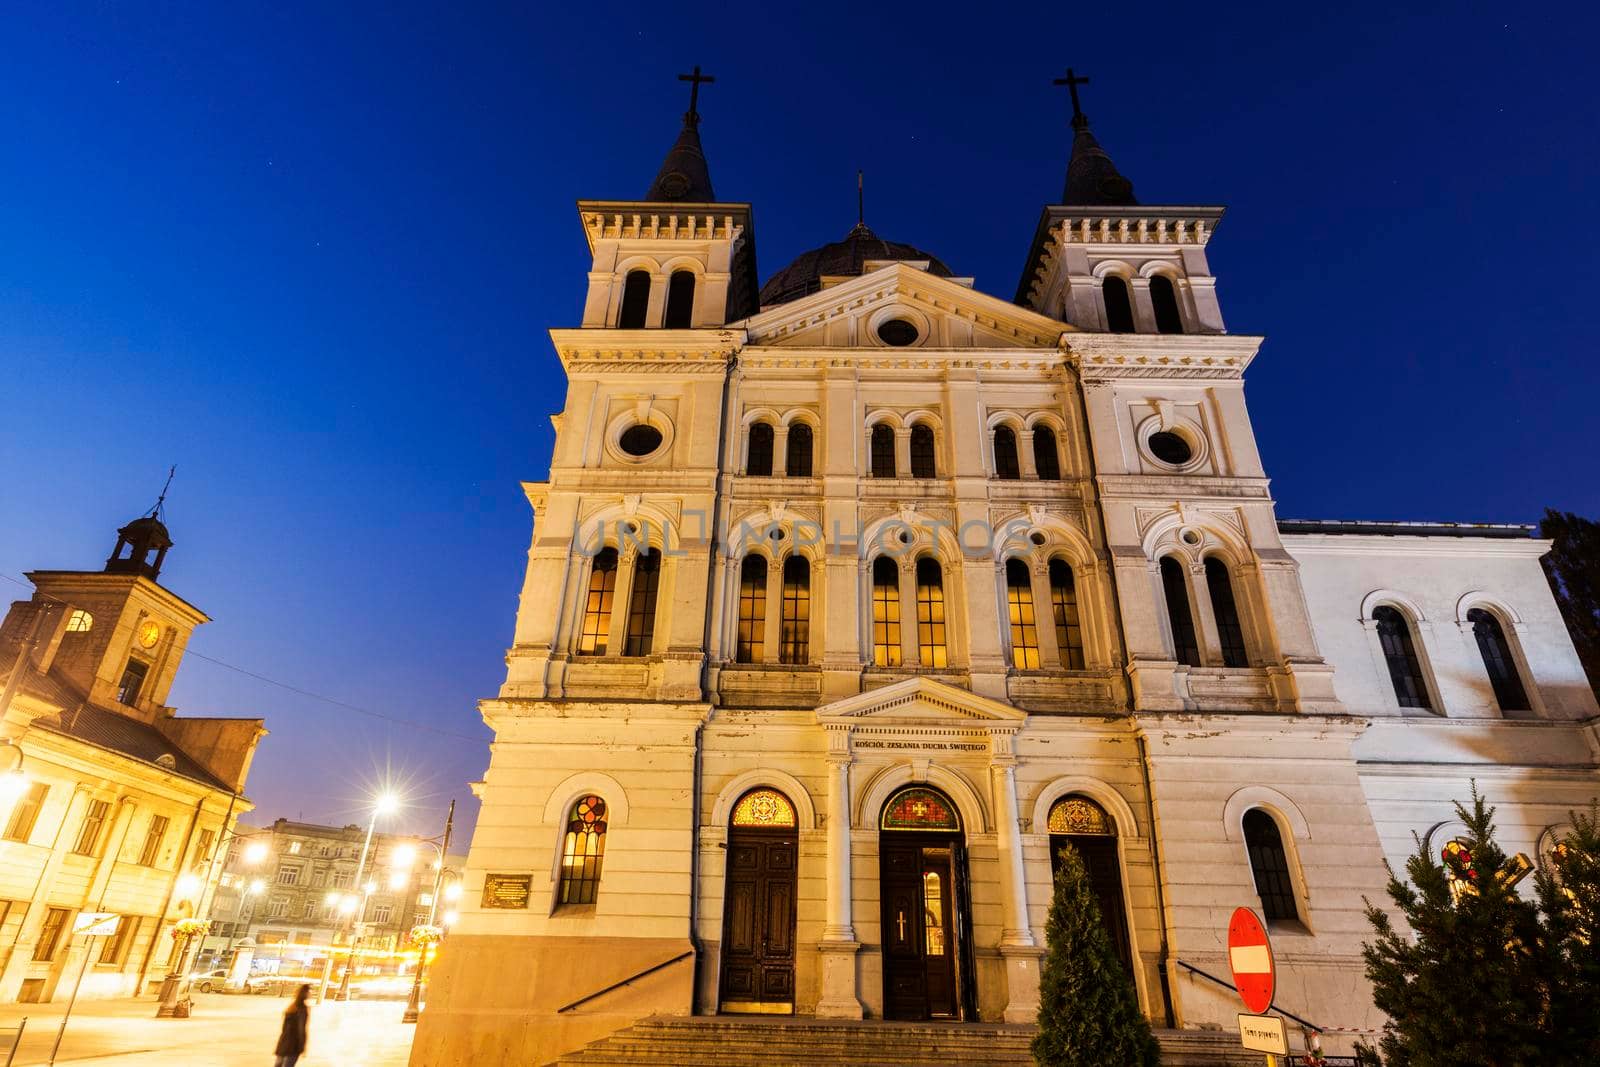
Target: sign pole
{"type": "Point", "coordinates": [88, 950]}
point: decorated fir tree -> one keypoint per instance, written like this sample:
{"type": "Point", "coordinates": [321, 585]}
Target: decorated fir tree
{"type": "Point", "coordinates": [1569, 897]}
{"type": "Point", "coordinates": [1088, 1013]}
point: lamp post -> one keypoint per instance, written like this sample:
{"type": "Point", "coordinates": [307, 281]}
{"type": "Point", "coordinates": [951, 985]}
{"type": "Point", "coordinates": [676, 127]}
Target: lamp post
{"type": "Point", "coordinates": [414, 1002]}
{"type": "Point", "coordinates": [386, 804]}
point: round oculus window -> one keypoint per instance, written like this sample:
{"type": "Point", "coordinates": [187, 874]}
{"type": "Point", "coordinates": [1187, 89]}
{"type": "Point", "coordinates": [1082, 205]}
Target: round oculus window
{"type": "Point", "coordinates": [1169, 447]}
{"type": "Point", "coordinates": [897, 332]}
{"type": "Point", "coordinates": [639, 440]}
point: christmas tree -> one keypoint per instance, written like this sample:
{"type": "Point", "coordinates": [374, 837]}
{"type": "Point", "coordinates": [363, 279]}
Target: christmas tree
{"type": "Point", "coordinates": [1569, 897]}
{"type": "Point", "coordinates": [1088, 1013]}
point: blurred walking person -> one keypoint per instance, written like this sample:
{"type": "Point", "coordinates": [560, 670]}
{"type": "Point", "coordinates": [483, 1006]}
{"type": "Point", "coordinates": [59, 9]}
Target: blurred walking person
{"type": "Point", "coordinates": [292, 1040]}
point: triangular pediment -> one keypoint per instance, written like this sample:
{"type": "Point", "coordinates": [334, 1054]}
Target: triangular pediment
{"type": "Point", "coordinates": [946, 314]}
{"type": "Point", "coordinates": [922, 701]}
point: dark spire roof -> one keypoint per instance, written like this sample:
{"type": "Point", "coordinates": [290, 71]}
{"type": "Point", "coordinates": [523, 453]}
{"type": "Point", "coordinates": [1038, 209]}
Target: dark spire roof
{"type": "Point", "coordinates": [684, 176]}
{"type": "Point", "coordinates": [1092, 179]}
{"type": "Point", "coordinates": [841, 258]}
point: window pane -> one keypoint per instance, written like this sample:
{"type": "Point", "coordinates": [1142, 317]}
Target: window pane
{"type": "Point", "coordinates": [798, 462]}
{"type": "Point", "coordinates": [1176, 590]}
{"type": "Point", "coordinates": [759, 463]}
{"type": "Point", "coordinates": [597, 604]}
{"type": "Point", "coordinates": [883, 451]}
{"type": "Point", "coordinates": [1270, 865]}
{"type": "Point", "coordinates": [752, 610]}
{"type": "Point", "coordinates": [1005, 454]}
{"type": "Point", "coordinates": [1229, 632]}
{"type": "Point", "coordinates": [1046, 460]}
{"type": "Point", "coordinates": [1405, 670]}
{"type": "Point", "coordinates": [635, 300]}
{"type": "Point", "coordinates": [931, 614]}
{"type": "Point", "coordinates": [680, 300]}
{"type": "Point", "coordinates": [642, 604]}
{"type": "Point", "coordinates": [1064, 609]}
{"type": "Point", "coordinates": [582, 851]}
{"type": "Point", "coordinates": [922, 459]}
{"type": "Point", "coordinates": [94, 821]}
{"type": "Point", "coordinates": [1498, 661]}
{"type": "Point", "coordinates": [1164, 302]}
{"type": "Point", "coordinates": [1119, 311]}
{"type": "Point", "coordinates": [795, 639]}
{"type": "Point", "coordinates": [885, 612]}
{"type": "Point", "coordinates": [1019, 610]}
{"type": "Point", "coordinates": [25, 813]}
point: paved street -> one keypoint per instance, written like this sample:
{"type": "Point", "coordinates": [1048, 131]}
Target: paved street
{"type": "Point", "coordinates": [225, 1031]}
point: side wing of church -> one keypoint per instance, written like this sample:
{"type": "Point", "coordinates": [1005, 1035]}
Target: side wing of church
{"type": "Point", "coordinates": [853, 596]}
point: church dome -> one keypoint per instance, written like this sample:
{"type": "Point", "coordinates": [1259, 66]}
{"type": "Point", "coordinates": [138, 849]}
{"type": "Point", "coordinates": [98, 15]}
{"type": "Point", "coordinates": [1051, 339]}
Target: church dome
{"type": "Point", "coordinates": [841, 258]}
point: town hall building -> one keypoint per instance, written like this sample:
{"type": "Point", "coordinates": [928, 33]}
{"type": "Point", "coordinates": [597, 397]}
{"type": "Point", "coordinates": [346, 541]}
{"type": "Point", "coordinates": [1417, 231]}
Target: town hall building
{"type": "Point", "coordinates": [854, 592]}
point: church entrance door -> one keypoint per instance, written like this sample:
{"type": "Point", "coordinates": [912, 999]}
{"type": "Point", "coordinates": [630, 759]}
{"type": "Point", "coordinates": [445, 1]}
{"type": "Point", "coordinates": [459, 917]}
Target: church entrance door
{"type": "Point", "coordinates": [758, 907]}
{"type": "Point", "coordinates": [927, 948]}
{"type": "Point", "coordinates": [1083, 824]}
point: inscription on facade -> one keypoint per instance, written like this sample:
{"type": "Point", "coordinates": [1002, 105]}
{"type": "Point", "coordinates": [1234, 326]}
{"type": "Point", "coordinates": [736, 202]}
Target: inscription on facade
{"type": "Point", "coordinates": [957, 746]}
{"type": "Point", "coordinates": [507, 890]}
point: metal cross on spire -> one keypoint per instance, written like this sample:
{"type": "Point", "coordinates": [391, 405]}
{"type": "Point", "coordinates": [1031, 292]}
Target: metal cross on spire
{"type": "Point", "coordinates": [1072, 81]}
{"type": "Point", "coordinates": [162, 499]}
{"type": "Point", "coordinates": [695, 80]}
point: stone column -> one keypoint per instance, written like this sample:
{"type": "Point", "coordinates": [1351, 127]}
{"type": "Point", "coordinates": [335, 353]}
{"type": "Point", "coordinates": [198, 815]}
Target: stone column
{"type": "Point", "coordinates": [1017, 946]}
{"type": "Point", "coordinates": [838, 946]}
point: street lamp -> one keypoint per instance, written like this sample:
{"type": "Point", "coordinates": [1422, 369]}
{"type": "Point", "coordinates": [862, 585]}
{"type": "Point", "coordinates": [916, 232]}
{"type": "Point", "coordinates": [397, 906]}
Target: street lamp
{"type": "Point", "coordinates": [414, 1002]}
{"type": "Point", "coordinates": [386, 804]}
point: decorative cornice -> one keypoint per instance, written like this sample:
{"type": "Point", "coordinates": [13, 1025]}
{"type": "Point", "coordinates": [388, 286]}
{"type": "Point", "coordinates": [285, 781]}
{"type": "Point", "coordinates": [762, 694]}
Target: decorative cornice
{"type": "Point", "coordinates": [1397, 545]}
{"type": "Point", "coordinates": [649, 351]}
{"type": "Point", "coordinates": [1003, 359]}
{"type": "Point", "coordinates": [1144, 355]}
{"type": "Point", "coordinates": [625, 220]}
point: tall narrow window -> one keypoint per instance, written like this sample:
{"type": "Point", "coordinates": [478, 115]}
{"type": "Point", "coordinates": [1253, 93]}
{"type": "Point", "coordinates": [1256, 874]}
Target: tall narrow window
{"type": "Point", "coordinates": [759, 464]}
{"type": "Point", "coordinates": [1064, 608]}
{"type": "Point", "coordinates": [1019, 612]}
{"type": "Point", "coordinates": [1229, 633]}
{"type": "Point", "coordinates": [752, 610]}
{"type": "Point", "coordinates": [680, 300]}
{"type": "Point", "coordinates": [1119, 310]}
{"type": "Point", "coordinates": [132, 681]}
{"type": "Point", "coordinates": [797, 464]}
{"type": "Point", "coordinates": [922, 462]}
{"type": "Point", "coordinates": [1270, 865]}
{"type": "Point", "coordinates": [635, 300]}
{"type": "Point", "coordinates": [25, 812]}
{"type": "Point", "coordinates": [1405, 670]}
{"type": "Point", "coordinates": [642, 604]}
{"type": "Point", "coordinates": [1184, 647]}
{"type": "Point", "coordinates": [1005, 454]}
{"type": "Point", "coordinates": [1497, 660]}
{"type": "Point", "coordinates": [94, 824]}
{"type": "Point", "coordinates": [55, 923]}
{"type": "Point", "coordinates": [154, 837]}
{"type": "Point", "coordinates": [882, 451]}
{"type": "Point", "coordinates": [1046, 460]}
{"type": "Point", "coordinates": [794, 638]}
{"type": "Point", "coordinates": [931, 644]}
{"type": "Point", "coordinates": [885, 612]}
{"type": "Point", "coordinates": [1164, 302]}
{"type": "Point", "coordinates": [582, 851]}
{"type": "Point", "coordinates": [597, 604]}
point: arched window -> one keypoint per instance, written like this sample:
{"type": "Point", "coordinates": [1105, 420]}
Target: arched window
{"type": "Point", "coordinates": [642, 604]}
{"type": "Point", "coordinates": [931, 645]}
{"type": "Point", "coordinates": [1405, 670]}
{"type": "Point", "coordinates": [597, 604]}
{"type": "Point", "coordinates": [764, 809]}
{"type": "Point", "coordinates": [1497, 660]}
{"type": "Point", "coordinates": [882, 451]}
{"type": "Point", "coordinates": [922, 462]}
{"type": "Point", "coordinates": [1119, 309]}
{"type": "Point", "coordinates": [917, 807]}
{"type": "Point", "coordinates": [1184, 647]}
{"type": "Point", "coordinates": [758, 463]}
{"type": "Point", "coordinates": [581, 852]}
{"type": "Point", "coordinates": [1005, 454]}
{"type": "Point", "coordinates": [1064, 607]}
{"type": "Point", "coordinates": [1270, 865]}
{"type": "Point", "coordinates": [635, 300]}
{"type": "Point", "coordinates": [885, 612]}
{"type": "Point", "coordinates": [752, 610]}
{"type": "Point", "coordinates": [1164, 301]}
{"type": "Point", "coordinates": [80, 622]}
{"type": "Point", "coordinates": [794, 639]}
{"type": "Point", "coordinates": [797, 464]}
{"type": "Point", "coordinates": [1019, 613]}
{"type": "Point", "coordinates": [680, 300]}
{"type": "Point", "coordinates": [1229, 633]}
{"type": "Point", "coordinates": [1046, 460]}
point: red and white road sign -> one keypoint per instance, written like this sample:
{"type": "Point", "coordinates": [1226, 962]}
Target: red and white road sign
{"type": "Point", "coordinates": [1250, 957]}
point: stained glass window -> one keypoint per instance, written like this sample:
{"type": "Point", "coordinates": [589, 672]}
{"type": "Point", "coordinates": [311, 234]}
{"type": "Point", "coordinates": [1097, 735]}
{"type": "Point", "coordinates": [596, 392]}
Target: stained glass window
{"type": "Point", "coordinates": [763, 809]}
{"type": "Point", "coordinates": [582, 851]}
{"type": "Point", "coordinates": [1019, 609]}
{"type": "Point", "coordinates": [752, 610]}
{"type": "Point", "coordinates": [794, 636]}
{"type": "Point", "coordinates": [1064, 608]}
{"type": "Point", "coordinates": [930, 614]}
{"type": "Point", "coordinates": [885, 612]}
{"type": "Point", "coordinates": [1080, 815]}
{"type": "Point", "coordinates": [597, 604]}
{"type": "Point", "coordinates": [919, 808]}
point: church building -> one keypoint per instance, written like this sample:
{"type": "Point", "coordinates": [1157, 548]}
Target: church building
{"type": "Point", "coordinates": [854, 593]}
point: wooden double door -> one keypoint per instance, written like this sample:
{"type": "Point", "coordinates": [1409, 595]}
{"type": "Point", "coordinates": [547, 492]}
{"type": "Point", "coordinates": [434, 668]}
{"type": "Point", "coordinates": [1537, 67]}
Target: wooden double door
{"type": "Point", "coordinates": [758, 922]}
{"type": "Point", "coordinates": [1100, 860]}
{"type": "Point", "coordinates": [928, 970]}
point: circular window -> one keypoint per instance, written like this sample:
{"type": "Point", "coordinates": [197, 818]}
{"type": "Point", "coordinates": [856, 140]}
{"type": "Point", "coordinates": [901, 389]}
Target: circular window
{"type": "Point", "coordinates": [639, 440]}
{"type": "Point", "coordinates": [897, 332]}
{"type": "Point", "coordinates": [1037, 537]}
{"type": "Point", "coordinates": [1169, 447]}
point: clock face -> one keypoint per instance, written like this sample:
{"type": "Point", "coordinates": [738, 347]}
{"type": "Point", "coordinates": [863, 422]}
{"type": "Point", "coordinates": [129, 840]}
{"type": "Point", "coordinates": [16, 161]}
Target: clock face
{"type": "Point", "coordinates": [149, 633]}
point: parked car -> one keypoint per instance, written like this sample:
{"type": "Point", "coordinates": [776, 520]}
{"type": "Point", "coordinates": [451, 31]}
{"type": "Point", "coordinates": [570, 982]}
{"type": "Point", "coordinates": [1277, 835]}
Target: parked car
{"type": "Point", "coordinates": [271, 985]}
{"type": "Point", "coordinates": [217, 982]}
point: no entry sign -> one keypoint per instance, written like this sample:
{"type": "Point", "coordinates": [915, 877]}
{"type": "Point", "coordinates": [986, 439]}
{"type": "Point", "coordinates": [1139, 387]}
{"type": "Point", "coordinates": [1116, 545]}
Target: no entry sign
{"type": "Point", "coordinates": [1250, 957]}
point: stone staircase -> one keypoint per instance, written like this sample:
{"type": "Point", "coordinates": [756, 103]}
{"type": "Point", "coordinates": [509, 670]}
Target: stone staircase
{"type": "Point", "coordinates": [724, 1041]}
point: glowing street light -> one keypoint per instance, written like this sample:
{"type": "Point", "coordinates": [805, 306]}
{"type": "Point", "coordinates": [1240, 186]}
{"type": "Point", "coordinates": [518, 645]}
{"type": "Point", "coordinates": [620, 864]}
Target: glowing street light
{"type": "Point", "coordinates": [449, 918]}
{"type": "Point", "coordinates": [255, 852]}
{"type": "Point", "coordinates": [452, 891]}
{"type": "Point", "coordinates": [187, 886]}
{"type": "Point", "coordinates": [404, 856]}
{"type": "Point", "coordinates": [331, 900]}
{"type": "Point", "coordinates": [386, 803]}
{"type": "Point", "coordinates": [257, 887]}
{"type": "Point", "coordinates": [398, 880]}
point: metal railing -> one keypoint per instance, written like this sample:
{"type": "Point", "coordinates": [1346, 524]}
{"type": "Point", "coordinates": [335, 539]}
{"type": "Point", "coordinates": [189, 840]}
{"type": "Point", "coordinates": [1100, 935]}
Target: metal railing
{"type": "Point", "coordinates": [626, 981]}
{"type": "Point", "coordinates": [1307, 1023]}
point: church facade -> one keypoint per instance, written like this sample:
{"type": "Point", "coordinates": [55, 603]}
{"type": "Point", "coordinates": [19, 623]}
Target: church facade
{"type": "Point", "coordinates": [852, 596]}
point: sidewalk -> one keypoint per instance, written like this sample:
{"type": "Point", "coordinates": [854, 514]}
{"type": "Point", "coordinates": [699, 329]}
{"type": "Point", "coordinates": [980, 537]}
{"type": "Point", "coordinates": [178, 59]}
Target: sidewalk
{"type": "Point", "coordinates": [225, 1031]}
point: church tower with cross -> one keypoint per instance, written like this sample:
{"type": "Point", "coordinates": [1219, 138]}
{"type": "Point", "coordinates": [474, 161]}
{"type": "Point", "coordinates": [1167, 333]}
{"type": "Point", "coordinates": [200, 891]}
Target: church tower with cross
{"type": "Point", "coordinates": [858, 594]}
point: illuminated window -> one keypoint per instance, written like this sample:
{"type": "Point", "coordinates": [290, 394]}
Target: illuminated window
{"type": "Point", "coordinates": [680, 300]}
{"type": "Point", "coordinates": [1080, 816]}
{"type": "Point", "coordinates": [133, 676]}
{"type": "Point", "coordinates": [94, 824]}
{"type": "Point", "coordinates": [635, 300]}
{"type": "Point", "coordinates": [154, 837]}
{"type": "Point", "coordinates": [294, 848]}
{"type": "Point", "coordinates": [794, 638]}
{"type": "Point", "coordinates": [80, 622]}
{"type": "Point", "coordinates": [1164, 302]}
{"type": "Point", "coordinates": [25, 812]}
{"type": "Point", "coordinates": [1064, 610]}
{"type": "Point", "coordinates": [885, 612]}
{"type": "Point", "coordinates": [1270, 865]}
{"type": "Point", "coordinates": [55, 922]}
{"type": "Point", "coordinates": [1229, 633]}
{"type": "Point", "coordinates": [1006, 465]}
{"type": "Point", "coordinates": [933, 913]}
{"type": "Point", "coordinates": [1046, 460]}
{"type": "Point", "coordinates": [752, 610]}
{"type": "Point", "coordinates": [597, 604]}
{"type": "Point", "coordinates": [1019, 609]}
{"type": "Point", "coordinates": [919, 808]}
{"type": "Point", "coordinates": [930, 614]}
{"type": "Point", "coordinates": [922, 458]}
{"type": "Point", "coordinates": [882, 449]}
{"type": "Point", "coordinates": [763, 809]}
{"type": "Point", "coordinates": [1497, 660]}
{"type": "Point", "coordinates": [1119, 310]}
{"type": "Point", "coordinates": [797, 460]}
{"type": "Point", "coordinates": [1185, 649]}
{"type": "Point", "coordinates": [642, 604]}
{"type": "Point", "coordinates": [582, 851]}
{"type": "Point", "coordinates": [758, 463]}
{"type": "Point", "coordinates": [1405, 670]}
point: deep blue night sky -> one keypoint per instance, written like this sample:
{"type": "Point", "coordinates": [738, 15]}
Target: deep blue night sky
{"type": "Point", "coordinates": [310, 255]}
